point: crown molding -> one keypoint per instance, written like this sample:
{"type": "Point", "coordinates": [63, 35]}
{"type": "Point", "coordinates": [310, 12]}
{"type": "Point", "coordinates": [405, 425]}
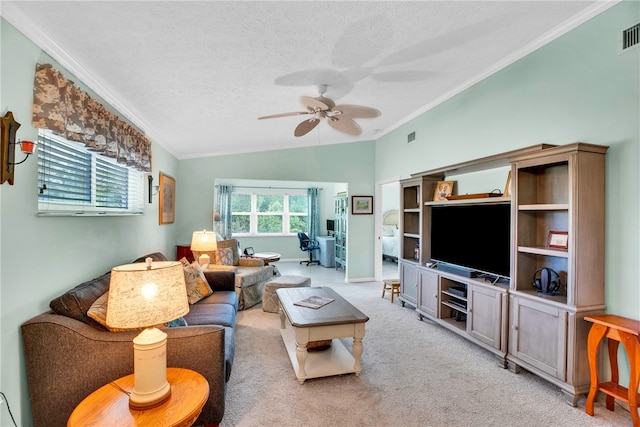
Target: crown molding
{"type": "Point", "coordinates": [13, 15]}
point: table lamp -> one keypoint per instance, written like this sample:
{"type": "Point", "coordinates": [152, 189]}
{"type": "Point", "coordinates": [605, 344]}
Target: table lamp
{"type": "Point", "coordinates": [203, 245]}
{"type": "Point", "coordinates": [144, 295]}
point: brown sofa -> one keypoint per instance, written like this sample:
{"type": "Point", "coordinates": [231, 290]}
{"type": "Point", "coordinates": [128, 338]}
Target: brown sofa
{"type": "Point", "coordinates": [68, 355]}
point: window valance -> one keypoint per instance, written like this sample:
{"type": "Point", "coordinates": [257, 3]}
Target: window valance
{"type": "Point", "coordinates": [60, 106]}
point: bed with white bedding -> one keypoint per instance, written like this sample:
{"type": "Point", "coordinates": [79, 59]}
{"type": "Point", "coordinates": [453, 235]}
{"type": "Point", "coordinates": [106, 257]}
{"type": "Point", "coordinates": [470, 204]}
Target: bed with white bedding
{"type": "Point", "coordinates": [390, 235]}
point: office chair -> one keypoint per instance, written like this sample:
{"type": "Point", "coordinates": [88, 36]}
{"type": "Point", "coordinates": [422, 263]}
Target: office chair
{"type": "Point", "coordinates": [308, 245]}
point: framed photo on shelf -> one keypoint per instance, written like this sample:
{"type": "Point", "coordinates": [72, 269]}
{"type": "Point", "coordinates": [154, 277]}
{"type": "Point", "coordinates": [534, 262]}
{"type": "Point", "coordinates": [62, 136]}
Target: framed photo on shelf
{"type": "Point", "coordinates": [507, 186]}
{"type": "Point", "coordinates": [558, 240]}
{"type": "Point", "coordinates": [443, 190]}
{"type": "Point", "coordinates": [361, 205]}
{"type": "Point", "coordinates": [167, 190]}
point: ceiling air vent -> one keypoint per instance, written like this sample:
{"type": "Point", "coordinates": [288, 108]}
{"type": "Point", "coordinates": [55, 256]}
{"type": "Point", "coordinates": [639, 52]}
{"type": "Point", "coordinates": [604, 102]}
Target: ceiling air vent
{"type": "Point", "coordinates": [630, 37]}
{"type": "Point", "coordinates": [411, 137]}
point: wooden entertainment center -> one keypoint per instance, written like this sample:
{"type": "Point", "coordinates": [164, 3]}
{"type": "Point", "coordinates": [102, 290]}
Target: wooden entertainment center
{"type": "Point", "coordinates": [553, 188]}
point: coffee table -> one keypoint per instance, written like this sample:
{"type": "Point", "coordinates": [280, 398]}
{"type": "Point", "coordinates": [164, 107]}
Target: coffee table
{"type": "Point", "coordinates": [300, 325]}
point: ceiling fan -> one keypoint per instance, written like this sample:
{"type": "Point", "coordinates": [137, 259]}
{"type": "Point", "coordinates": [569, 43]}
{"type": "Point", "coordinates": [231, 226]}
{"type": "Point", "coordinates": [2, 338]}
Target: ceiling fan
{"type": "Point", "coordinates": [339, 117]}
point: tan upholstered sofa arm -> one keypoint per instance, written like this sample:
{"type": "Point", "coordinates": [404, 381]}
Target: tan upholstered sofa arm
{"type": "Point", "coordinates": [250, 262]}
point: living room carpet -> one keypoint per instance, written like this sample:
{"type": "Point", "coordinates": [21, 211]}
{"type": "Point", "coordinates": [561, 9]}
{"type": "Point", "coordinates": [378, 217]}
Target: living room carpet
{"type": "Point", "coordinates": [414, 373]}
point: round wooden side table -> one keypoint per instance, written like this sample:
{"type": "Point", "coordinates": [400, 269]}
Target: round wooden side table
{"type": "Point", "coordinates": [109, 405]}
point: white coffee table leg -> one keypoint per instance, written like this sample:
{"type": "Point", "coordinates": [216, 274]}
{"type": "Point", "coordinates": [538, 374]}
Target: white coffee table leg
{"type": "Point", "coordinates": [357, 347]}
{"type": "Point", "coordinates": [302, 339]}
{"type": "Point", "coordinates": [282, 316]}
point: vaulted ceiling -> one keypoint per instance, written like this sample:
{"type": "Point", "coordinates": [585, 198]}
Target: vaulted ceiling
{"type": "Point", "coordinates": [196, 75]}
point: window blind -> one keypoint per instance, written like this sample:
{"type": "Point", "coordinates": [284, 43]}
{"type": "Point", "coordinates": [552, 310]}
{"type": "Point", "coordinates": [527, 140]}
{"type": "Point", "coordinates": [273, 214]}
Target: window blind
{"type": "Point", "coordinates": [75, 181]}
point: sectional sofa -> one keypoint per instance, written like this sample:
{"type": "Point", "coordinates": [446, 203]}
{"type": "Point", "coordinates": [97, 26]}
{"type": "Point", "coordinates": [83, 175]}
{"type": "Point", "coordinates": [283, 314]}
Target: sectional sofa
{"type": "Point", "coordinates": [68, 355]}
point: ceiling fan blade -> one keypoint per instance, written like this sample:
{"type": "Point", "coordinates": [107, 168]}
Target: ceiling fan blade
{"type": "Point", "coordinates": [313, 103]}
{"type": "Point", "coordinates": [345, 124]}
{"type": "Point", "coordinates": [357, 111]}
{"type": "Point", "coordinates": [305, 127]}
{"type": "Point", "coordinates": [273, 116]}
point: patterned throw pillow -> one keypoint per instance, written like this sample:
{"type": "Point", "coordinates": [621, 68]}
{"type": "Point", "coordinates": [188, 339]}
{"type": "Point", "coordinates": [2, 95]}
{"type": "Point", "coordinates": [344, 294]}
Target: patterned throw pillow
{"type": "Point", "coordinates": [226, 256]}
{"type": "Point", "coordinates": [197, 285]}
{"type": "Point", "coordinates": [98, 312]}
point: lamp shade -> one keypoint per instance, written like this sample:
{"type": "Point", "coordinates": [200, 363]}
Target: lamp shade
{"type": "Point", "coordinates": [146, 294]}
{"type": "Point", "coordinates": [204, 241]}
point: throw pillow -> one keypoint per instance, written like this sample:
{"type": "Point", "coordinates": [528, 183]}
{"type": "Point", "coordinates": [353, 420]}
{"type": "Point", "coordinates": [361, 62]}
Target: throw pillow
{"type": "Point", "coordinates": [226, 256]}
{"type": "Point", "coordinates": [76, 302]}
{"type": "Point", "coordinates": [98, 312]}
{"type": "Point", "coordinates": [233, 244]}
{"type": "Point", "coordinates": [180, 321]}
{"type": "Point", "coordinates": [197, 285]}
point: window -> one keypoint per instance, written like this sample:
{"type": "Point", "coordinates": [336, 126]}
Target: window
{"type": "Point", "coordinates": [75, 181]}
{"type": "Point", "coordinates": [268, 214]}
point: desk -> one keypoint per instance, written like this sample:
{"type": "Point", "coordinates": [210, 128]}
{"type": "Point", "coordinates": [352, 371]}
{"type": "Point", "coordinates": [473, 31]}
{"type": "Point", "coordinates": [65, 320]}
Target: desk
{"type": "Point", "coordinates": [616, 329]}
{"type": "Point", "coordinates": [109, 406]}
{"type": "Point", "coordinates": [327, 251]}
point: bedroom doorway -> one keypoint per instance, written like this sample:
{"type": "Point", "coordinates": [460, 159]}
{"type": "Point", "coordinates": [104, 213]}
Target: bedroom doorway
{"type": "Point", "coordinates": [387, 239]}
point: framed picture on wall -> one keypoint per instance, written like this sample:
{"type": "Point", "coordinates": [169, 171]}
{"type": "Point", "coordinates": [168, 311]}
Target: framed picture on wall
{"type": "Point", "coordinates": [167, 207]}
{"type": "Point", "coordinates": [361, 205]}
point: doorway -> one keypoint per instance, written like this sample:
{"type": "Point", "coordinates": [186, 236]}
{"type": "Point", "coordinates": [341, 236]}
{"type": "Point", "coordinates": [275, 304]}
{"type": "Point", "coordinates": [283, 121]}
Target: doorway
{"type": "Point", "coordinates": [387, 234]}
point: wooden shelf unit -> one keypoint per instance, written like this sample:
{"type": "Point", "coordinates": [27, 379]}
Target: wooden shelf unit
{"type": "Point", "coordinates": [558, 189]}
{"type": "Point", "coordinates": [554, 188]}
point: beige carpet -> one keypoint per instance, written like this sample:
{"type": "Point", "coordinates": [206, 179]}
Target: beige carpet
{"type": "Point", "coordinates": [415, 373]}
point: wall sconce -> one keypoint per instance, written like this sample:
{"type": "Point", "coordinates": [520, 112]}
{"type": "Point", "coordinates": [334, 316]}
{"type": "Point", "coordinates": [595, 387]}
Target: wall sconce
{"type": "Point", "coordinates": [8, 129]}
{"type": "Point", "coordinates": [153, 190]}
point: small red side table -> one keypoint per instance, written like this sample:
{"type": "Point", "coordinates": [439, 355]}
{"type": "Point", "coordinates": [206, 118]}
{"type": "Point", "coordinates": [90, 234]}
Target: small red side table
{"type": "Point", "coordinates": [184, 251]}
{"type": "Point", "coordinates": [617, 330]}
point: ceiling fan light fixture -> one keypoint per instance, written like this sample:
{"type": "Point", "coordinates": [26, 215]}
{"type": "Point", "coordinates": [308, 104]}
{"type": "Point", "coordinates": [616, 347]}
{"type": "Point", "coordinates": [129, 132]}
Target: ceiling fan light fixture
{"type": "Point", "coordinates": [339, 117]}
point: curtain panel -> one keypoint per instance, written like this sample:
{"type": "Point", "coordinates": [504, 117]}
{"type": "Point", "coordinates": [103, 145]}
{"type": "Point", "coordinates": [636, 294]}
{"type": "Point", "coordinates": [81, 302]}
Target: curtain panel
{"type": "Point", "coordinates": [226, 214]}
{"type": "Point", "coordinates": [61, 107]}
{"type": "Point", "coordinates": [313, 212]}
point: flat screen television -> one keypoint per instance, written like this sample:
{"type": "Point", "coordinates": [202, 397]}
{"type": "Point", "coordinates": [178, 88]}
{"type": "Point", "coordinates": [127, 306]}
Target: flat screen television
{"type": "Point", "coordinates": [477, 237]}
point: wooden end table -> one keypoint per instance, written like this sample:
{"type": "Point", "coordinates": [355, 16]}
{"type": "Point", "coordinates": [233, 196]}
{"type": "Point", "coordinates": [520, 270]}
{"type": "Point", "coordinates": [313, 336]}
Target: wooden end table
{"type": "Point", "coordinates": [109, 405]}
{"type": "Point", "coordinates": [616, 329]}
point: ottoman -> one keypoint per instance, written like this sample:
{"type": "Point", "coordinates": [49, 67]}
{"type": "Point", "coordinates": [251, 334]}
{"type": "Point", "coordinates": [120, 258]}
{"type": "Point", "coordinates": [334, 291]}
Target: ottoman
{"type": "Point", "coordinates": [270, 300]}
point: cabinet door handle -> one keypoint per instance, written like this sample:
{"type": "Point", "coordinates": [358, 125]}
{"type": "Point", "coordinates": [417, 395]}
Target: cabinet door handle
{"type": "Point", "coordinates": [514, 327]}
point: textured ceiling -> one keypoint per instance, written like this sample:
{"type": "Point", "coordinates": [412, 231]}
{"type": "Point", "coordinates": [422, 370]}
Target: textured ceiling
{"type": "Point", "coordinates": [195, 75]}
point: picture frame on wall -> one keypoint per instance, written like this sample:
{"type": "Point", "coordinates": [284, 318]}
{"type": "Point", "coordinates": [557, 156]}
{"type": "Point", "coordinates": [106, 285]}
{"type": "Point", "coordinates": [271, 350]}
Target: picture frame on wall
{"type": "Point", "coordinates": [361, 205]}
{"type": "Point", "coordinates": [558, 240]}
{"type": "Point", "coordinates": [167, 208]}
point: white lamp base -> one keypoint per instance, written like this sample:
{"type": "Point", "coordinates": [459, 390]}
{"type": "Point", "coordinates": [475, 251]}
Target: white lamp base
{"type": "Point", "coordinates": [150, 386]}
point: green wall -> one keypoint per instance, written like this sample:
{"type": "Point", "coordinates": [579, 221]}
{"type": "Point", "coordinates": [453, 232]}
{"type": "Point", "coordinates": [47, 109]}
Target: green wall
{"type": "Point", "coordinates": [352, 164]}
{"type": "Point", "coordinates": [42, 257]}
{"type": "Point", "coordinates": [576, 88]}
